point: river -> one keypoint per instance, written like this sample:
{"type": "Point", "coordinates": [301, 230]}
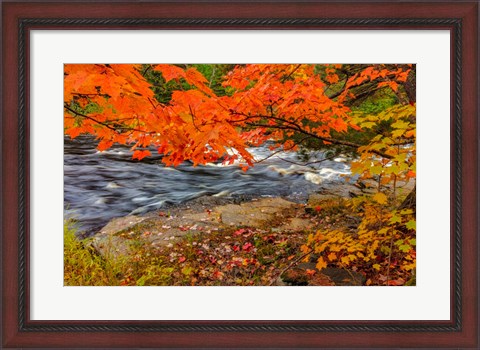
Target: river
{"type": "Point", "coordinates": [99, 186]}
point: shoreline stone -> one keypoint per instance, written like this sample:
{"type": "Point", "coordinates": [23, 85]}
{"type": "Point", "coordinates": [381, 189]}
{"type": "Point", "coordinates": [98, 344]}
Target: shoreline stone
{"type": "Point", "coordinates": [210, 213]}
{"type": "Point", "coordinates": [162, 228]}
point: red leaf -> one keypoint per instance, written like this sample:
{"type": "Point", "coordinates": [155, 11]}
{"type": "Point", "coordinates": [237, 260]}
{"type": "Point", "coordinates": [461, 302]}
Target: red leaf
{"type": "Point", "coordinates": [247, 247]}
{"type": "Point", "coordinates": [170, 72]}
{"type": "Point", "coordinates": [239, 232]}
{"type": "Point", "coordinates": [73, 132]}
{"type": "Point", "coordinates": [397, 282]}
{"type": "Point", "coordinates": [141, 154]}
{"type": "Point", "coordinates": [104, 145]}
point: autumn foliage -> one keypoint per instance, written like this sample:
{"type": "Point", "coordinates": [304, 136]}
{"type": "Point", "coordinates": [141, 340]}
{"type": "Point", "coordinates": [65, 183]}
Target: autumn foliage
{"type": "Point", "coordinates": [289, 104]}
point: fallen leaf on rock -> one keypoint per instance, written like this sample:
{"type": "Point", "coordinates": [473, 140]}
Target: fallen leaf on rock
{"type": "Point", "coordinates": [247, 247]}
{"type": "Point", "coordinates": [218, 275]}
{"type": "Point", "coordinates": [397, 282]}
{"type": "Point", "coordinates": [239, 232]}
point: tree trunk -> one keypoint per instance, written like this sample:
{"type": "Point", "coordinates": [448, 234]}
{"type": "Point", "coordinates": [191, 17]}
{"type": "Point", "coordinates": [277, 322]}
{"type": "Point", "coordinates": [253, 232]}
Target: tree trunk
{"type": "Point", "coordinates": [411, 86]}
{"type": "Point", "coordinates": [410, 202]}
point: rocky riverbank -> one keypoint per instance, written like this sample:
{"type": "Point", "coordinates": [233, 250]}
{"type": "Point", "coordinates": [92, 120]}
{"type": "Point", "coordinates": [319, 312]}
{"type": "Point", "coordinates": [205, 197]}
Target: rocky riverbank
{"type": "Point", "coordinates": [221, 216]}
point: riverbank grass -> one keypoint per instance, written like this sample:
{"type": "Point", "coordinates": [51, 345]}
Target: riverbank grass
{"type": "Point", "coordinates": [237, 256]}
{"type": "Point", "coordinates": [327, 242]}
{"type": "Point", "coordinates": [82, 265]}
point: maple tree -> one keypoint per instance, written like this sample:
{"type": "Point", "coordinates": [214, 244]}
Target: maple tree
{"type": "Point", "coordinates": [217, 118]}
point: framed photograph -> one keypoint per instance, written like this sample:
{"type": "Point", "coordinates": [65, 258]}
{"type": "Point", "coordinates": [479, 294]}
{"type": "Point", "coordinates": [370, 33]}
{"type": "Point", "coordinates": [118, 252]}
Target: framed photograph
{"type": "Point", "coordinates": [141, 161]}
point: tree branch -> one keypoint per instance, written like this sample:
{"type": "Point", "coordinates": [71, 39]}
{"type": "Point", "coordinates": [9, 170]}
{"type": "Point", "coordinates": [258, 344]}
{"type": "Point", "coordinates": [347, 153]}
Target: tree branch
{"type": "Point", "coordinates": [282, 150]}
{"type": "Point", "coordinates": [322, 138]}
{"type": "Point", "coordinates": [107, 125]}
{"type": "Point", "coordinates": [308, 163]}
{"type": "Point", "coordinates": [289, 266]}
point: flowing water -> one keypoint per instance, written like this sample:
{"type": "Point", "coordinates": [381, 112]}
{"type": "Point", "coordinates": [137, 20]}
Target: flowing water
{"type": "Point", "coordinates": [99, 186]}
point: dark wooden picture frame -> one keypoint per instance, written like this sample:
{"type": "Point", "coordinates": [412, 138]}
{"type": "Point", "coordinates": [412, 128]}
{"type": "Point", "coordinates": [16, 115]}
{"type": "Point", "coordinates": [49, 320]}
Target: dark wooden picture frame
{"type": "Point", "coordinates": [460, 18]}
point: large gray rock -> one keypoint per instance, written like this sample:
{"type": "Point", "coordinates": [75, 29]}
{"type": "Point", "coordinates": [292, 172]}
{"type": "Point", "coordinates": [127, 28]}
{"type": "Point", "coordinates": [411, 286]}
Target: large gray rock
{"type": "Point", "coordinates": [255, 213]}
{"type": "Point", "coordinates": [108, 244]}
{"type": "Point", "coordinates": [119, 236]}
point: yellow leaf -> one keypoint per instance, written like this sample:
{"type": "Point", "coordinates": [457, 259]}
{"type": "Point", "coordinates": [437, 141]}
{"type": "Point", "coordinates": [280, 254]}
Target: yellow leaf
{"type": "Point", "coordinates": [376, 267]}
{"type": "Point", "coordinates": [304, 249]}
{"type": "Point", "coordinates": [384, 231]}
{"type": "Point", "coordinates": [376, 170]}
{"type": "Point", "coordinates": [320, 248]}
{"type": "Point", "coordinates": [335, 248]}
{"type": "Point", "coordinates": [408, 267]}
{"type": "Point", "coordinates": [368, 125]}
{"type": "Point", "coordinates": [319, 236]}
{"type": "Point", "coordinates": [380, 198]}
{"type": "Point", "coordinates": [332, 256]}
{"type": "Point", "coordinates": [321, 264]}
{"type": "Point", "coordinates": [345, 260]}
{"type": "Point", "coordinates": [400, 125]}
{"type": "Point", "coordinates": [398, 132]}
